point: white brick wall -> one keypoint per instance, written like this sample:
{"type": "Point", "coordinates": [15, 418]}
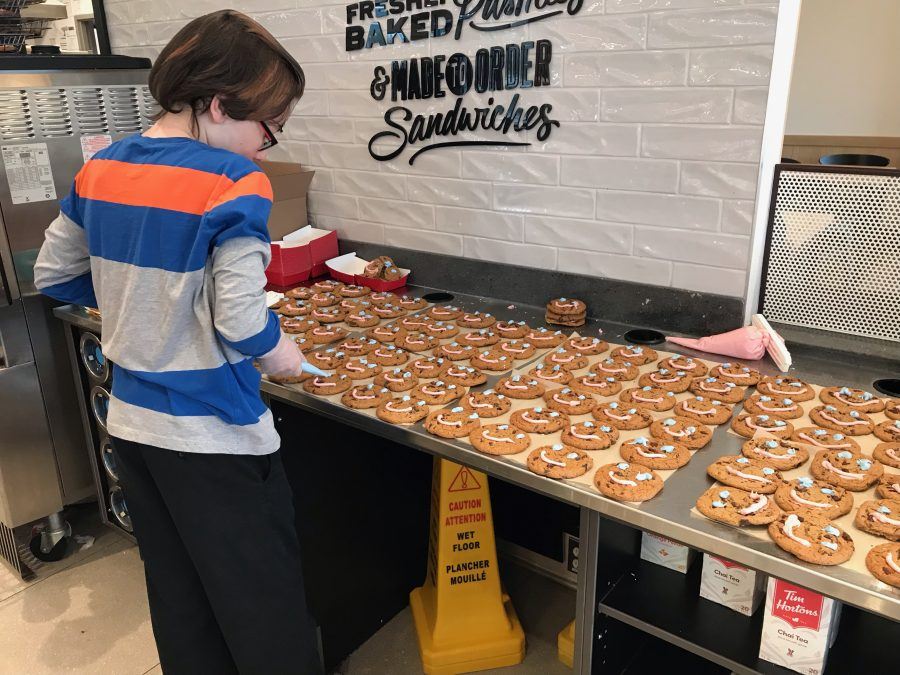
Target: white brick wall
{"type": "Point", "coordinates": [651, 176]}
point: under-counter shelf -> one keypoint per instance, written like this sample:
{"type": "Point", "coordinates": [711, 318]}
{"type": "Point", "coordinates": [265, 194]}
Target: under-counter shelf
{"type": "Point", "coordinates": [667, 604]}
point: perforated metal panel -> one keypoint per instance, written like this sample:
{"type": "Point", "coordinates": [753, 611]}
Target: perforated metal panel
{"type": "Point", "coordinates": [15, 116]}
{"type": "Point", "coordinates": [834, 252]}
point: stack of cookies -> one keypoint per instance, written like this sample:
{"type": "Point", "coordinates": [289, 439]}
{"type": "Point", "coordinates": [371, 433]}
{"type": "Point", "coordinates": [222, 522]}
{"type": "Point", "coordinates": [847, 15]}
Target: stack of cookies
{"type": "Point", "coordinates": [383, 267]}
{"type": "Point", "coordinates": [566, 312]}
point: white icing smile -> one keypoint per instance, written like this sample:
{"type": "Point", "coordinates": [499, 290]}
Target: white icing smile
{"type": "Point", "coordinates": [450, 423]}
{"type": "Point", "coordinates": [652, 455]}
{"type": "Point", "coordinates": [746, 476]}
{"type": "Point", "coordinates": [890, 561]}
{"type": "Point", "coordinates": [586, 437]}
{"type": "Point", "coordinates": [760, 503]}
{"type": "Point", "coordinates": [487, 435]}
{"type": "Point", "coordinates": [647, 399]}
{"type": "Point", "coordinates": [828, 417]}
{"type": "Point", "coordinates": [824, 445]}
{"type": "Point", "coordinates": [762, 405]}
{"type": "Point", "coordinates": [318, 383]}
{"type": "Point", "coordinates": [390, 406]}
{"type": "Point", "coordinates": [698, 412]}
{"type": "Point", "coordinates": [550, 461]}
{"type": "Point", "coordinates": [806, 502]}
{"type": "Point", "coordinates": [568, 403]}
{"type": "Point", "coordinates": [621, 481]}
{"type": "Point", "coordinates": [707, 387]}
{"type": "Point", "coordinates": [789, 525]}
{"type": "Point", "coordinates": [533, 421]}
{"type": "Point", "coordinates": [881, 518]}
{"type": "Point", "coordinates": [665, 380]}
{"type": "Point", "coordinates": [840, 472]}
{"type": "Point", "coordinates": [364, 397]}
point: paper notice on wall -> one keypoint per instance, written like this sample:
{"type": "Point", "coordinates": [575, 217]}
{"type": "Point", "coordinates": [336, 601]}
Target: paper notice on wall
{"type": "Point", "coordinates": [91, 145]}
{"type": "Point", "coordinates": [28, 172]}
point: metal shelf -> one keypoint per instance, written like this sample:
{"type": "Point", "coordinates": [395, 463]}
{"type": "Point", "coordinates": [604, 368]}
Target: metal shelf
{"type": "Point", "coordinates": [667, 605]}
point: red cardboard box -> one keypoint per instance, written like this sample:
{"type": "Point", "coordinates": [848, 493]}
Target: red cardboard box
{"type": "Point", "coordinates": [349, 269]}
{"type": "Point", "coordinates": [301, 255]}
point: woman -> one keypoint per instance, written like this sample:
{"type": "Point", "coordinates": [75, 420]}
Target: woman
{"type": "Point", "coordinates": [166, 234]}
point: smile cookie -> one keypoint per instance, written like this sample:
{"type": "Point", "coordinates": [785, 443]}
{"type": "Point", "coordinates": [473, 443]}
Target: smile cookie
{"type": "Point", "coordinates": [539, 420]}
{"type": "Point", "coordinates": [812, 538]}
{"type": "Point", "coordinates": [325, 299]}
{"type": "Point", "coordinates": [693, 367]}
{"type": "Point", "coordinates": [358, 346]}
{"type": "Point", "coordinates": [627, 482]}
{"type": "Point", "coordinates": [479, 338]}
{"type": "Point", "coordinates": [328, 314]}
{"type": "Point", "coordinates": [747, 474]}
{"type": "Point", "coordinates": [454, 423]}
{"type": "Point", "coordinates": [566, 306]}
{"type": "Point", "coordinates": [739, 373]}
{"type": "Point", "coordinates": [888, 431]}
{"type": "Point", "coordinates": [416, 323]}
{"type": "Point", "coordinates": [386, 333]}
{"type": "Point", "coordinates": [441, 330]}
{"type": "Point", "coordinates": [465, 376]}
{"type": "Point", "coordinates": [747, 425]}
{"type": "Point", "coordinates": [300, 293]}
{"type": "Point", "coordinates": [475, 320]}
{"type": "Point", "coordinates": [888, 486]}
{"type": "Point", "coordinates": [553, 374]}
{"type": "Point", "coordinates": [824, 438]}
{"type": "Point", "coordinates": [570, 402]}
{"type": "Point", "coordinates": [491, 360]}
{"type": "Point", "coordinates": [737, 507]}
{"type": "Point", "coordinates": [880, 517]}
{"type": "Point", "coordinates": [683, 430]}
{"type": "Point", "coordinates": [760, 404]}
{"type": "Point", "coordinates": [487, 403]}
{"type": "Point", "coordinates": [654, 398]}
{"type": "Point", "coordinates": [559, 461]}
{"type": "Point", "coordinates": [781, 386]}
{"type": "Point", "coordinates": [519, 387]}
{"type": "Point", "coordinates": [297, 325]}
{"type": "Point", "coordinates": [323, 335]}
{"type": "Point", "coordinates": [388, 311]}
{"type": "Point", "coordinates": [327, 386]}
{"type": "Point", "coordinates": [402, 410]}
{"type": "Point", "coordinates": [713, 387]}
{"type": "Point", "coordinates": [706, 411]}
{"type": "Point", "coordinates": [846, 398]}
{"type": "Point", "coordinates": [589, 346]}
{"type": "Point", "coordinates": [384, 298]}
{"type": "Point", "coordinates": [364, 396]}
{"type": "Point", "coordinates": [637, 355]}
{"type": "Point", "coordinates": [444, 312]}
{"type": "Point", "coordinates": [429, 367]}
{"type": "Point", "coordinates": [888, 453]}
{"type": "Point", "coordinates": [805, 495]}
{"type": "Point", "coordinates": [621, 416]}
{"type": "Point", "coordinates": [412, 304]}
{"type": "Point", "coordinates": [438, 392]}
{"type": "Point", "coordinates": [499, 439]}
{"type": "Point", "coordinates": [397, 379]}
{"type": "Point", "coordinates": [596, 385]}
{"type": "Point", "coordinates": [851, 470]}
{"type": "Point", "coordinates": [304, 344]}
{"type": "Point", "coordinates": [677, 380]}
{"type": "Point", "coordinates": [353, 291]}
{"type": "Point", "coordinates": [389, 355]}
{"type": "Point", "coordinates": [455, 351]}
{"type": "Point", "coordinates": [416, 342]}
{"type": "Point", "coordinates": [294, 308]}
{"type": "Point", "coordinates": [590, 436]}
{"type": "Point", "coordinates": [327, 359]}
{"type": "Point", "coordinates": [566, 360]}
{"type": "Point", "coordinates": [517, 349]}
{"type": "Point", "coordinates": [892, 409]}
{"type": "Point", "coordinates": [511, 330]}
{"type": "Point", "coordinates": [620, 370]}
{"type": "Point", "coordinates": [654, 453]}
{"type": "Point", "coordinates": [327, 286]}
{"type": "Point", "coordinates": [359, 368]}
{"type": "Point", "coordinates": [883, 562]}
{"type": "Point", "coordinates": [850, 422]}
{"type": "Point", "coordinates": [781, 454]}
{"type": "Point", "coordinates": [543, 338]}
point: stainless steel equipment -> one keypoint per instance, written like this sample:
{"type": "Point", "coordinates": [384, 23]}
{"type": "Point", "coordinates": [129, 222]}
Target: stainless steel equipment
{"type": "Point", "coordinates": [52, 117]}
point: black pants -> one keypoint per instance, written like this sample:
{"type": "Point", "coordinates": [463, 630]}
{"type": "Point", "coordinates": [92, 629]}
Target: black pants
{"type": "Point", "coordinates": [222, 561]}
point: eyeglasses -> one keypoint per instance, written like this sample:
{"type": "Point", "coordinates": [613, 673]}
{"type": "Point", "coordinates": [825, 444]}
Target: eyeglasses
{"type": "Point", "coordinates": [269, 139]}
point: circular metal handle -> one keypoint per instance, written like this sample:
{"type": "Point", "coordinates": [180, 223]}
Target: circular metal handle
{"type": "Point", "coordinates": [100, 406]}
{"type": "Point", "coordinates": [119, 509]}
{"type": "Point", "coordinates": [92, 357]}
{"type": "Point", "coordinates": [108, 457]}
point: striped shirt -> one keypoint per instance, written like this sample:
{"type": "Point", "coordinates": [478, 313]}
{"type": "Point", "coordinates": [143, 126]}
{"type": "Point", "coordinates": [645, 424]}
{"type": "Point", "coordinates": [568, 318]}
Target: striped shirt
{"type": "Point", "coordinates": [168, 238]}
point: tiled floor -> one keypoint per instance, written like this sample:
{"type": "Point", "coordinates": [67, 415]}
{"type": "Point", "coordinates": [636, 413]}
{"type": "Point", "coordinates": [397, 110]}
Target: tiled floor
{"type": "Point", "coordinates": [88, 615]}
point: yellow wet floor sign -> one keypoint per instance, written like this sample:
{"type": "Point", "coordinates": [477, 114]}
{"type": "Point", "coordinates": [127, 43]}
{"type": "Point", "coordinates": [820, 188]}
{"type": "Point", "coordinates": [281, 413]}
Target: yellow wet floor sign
{"type": "Point", "coordinates": [464, 621]}
{"type": "Point", "coordinates": [565, 644]}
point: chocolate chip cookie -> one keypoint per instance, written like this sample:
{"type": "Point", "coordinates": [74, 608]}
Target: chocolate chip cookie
{"type": "Point", "coordinates": [590, 435]}
{"type": "Point", "coordinates": [487, 403]}
{"type": "Point", "coordinates": [559, 461]}
{"type": "Point", "coordinates": [805, 495]}
{"type": "Point", "coordinates": [744, 473]}
{"type": "Point", "coordinates": [454, 423]}
{"type": "Point", "coordinates": [736, 507]}
{"type": "Point", "coordinates": [539, 420]}
{"type": "Point", "coordinates": [622, 417]}
{"type": "Point", "coordinates": [851, 470]}
{"type": "Point", "coordinates": [499, 439]}
{"type": "Point", "coordinates": [779, 453]}
{"type": "Point", "coordinates": [747, 425]}
{"type": "Point", "coordinates": [704, 410]}
{"type": "Point", "coordinates": [781, 386]}
{"type": "Point", "coordinates": [653, 398]}
{"type": "Point", "coordinates": [683, 430]}
{"type": "Point", "coordinates": [812, 538]}
{"type": "Point", "coordinates": [627, 482]}
{"type": "Point", "coordinates": [656, 454]}
{"type": "Point", "coordinates": [519, 387]}
{"type": "Point", "coordinates": [850, 422]}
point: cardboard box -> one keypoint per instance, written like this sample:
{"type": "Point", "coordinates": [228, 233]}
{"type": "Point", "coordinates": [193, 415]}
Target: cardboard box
{"type": "Point", "coordinates": [665, 552]}
{"type": "Point", "coordinates": [799, 627]}
{"type": "Point", "coordinates": [290, 183]}
{"type": "Point", "coordinates": [300, 255]}
{"type": "Point", "coordinates": [732, 585]}
{"type": "Point", "coordinates": [349, 269]}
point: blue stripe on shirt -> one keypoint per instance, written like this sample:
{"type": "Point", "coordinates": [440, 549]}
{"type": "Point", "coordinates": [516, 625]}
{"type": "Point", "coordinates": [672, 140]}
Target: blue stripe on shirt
{"type": "Point", "coordinates": [261, 343]}
{"type": "Point", "coordinates": [78, 291]}
{"type": "Point", "coordinates": [230, 392]}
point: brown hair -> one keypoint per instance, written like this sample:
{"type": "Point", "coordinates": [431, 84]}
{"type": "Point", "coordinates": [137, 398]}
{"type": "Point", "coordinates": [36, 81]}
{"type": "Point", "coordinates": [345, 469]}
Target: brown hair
{"type": "Point", "coordinates": [229, 55]}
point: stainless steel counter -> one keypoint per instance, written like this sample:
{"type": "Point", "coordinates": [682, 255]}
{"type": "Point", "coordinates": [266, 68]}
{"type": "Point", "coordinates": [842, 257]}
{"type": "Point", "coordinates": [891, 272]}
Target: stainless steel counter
{"type": "Point", "coordinates": [668, 514]}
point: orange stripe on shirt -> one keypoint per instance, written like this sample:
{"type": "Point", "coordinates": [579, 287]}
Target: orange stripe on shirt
{"type": "Point", "coordinates": [151, 185]}
{"type": "Point", "coordinates": [256, 184]}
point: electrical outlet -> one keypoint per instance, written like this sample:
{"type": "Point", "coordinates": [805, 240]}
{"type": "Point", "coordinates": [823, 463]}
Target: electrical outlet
{"type": "Point", "coordinates": [570, 552]}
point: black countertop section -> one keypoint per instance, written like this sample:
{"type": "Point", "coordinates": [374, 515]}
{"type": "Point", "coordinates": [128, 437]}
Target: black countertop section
{"type": "Point", "coordinates": [660, 307]}
{"type": "Point", "coordinates": [72, 62]}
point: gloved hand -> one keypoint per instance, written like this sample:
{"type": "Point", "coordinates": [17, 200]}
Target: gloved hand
{"type": "Point", "coordinates": [283, 361]}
